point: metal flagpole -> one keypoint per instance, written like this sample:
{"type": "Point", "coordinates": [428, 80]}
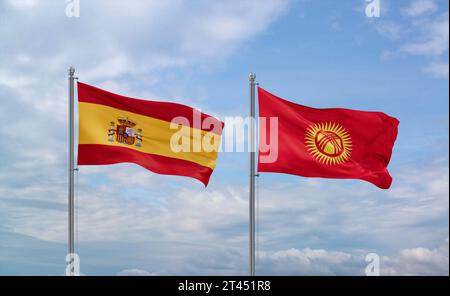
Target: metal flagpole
{"type": "Point", "coordinates": [252, 78]}
{"type": "Point", "coordinates": [71, 171]}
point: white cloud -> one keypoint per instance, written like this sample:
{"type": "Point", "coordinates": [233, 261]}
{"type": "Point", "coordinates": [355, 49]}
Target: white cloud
{"type": "Point", "coordinates": [307, 262]}
{"type": "Point", "coordinates": [23, 4]}
{"type": "Point", "coordinates": [160, 37]}
{"type": "Point", "coordinates": [418, 261]}
{"type": "Point", "coordinates": [218, 260]}
{"type": "Point", "coordinates": [421, 7]}
{"type": "Point", "coordinates": [179, 223]}
{"type": "Point", "coordinates": [387, 55]}
{"type": "Point", "coordinates": [415, 261]}
{"type": "Point", "coordinates": [389, 30]}
{"type": "Point", "coordinates": [434, 41]}
{"type": "Point", "coordinates": [437, 69]}
{"type": "Point", "coordinates": [429, 37]}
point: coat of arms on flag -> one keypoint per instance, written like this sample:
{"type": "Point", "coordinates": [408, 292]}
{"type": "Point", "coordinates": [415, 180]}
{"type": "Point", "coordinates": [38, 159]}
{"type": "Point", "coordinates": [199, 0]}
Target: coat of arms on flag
{"type": "Point", "coordinates": [125, 132]}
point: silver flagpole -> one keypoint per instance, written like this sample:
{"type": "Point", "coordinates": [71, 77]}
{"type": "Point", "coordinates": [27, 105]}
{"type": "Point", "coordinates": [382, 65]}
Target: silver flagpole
{"type": "Point", "coordinates": [71, 171]}
{"type": "Point", "coordinates": [252, 78]}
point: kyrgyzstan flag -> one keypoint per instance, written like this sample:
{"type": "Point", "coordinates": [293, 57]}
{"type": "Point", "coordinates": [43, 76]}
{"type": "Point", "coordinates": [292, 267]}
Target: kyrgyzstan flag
{"type": "Point", "coordinates": [165, 138]}
{"type": "Point", "coordinates": [328, 143]}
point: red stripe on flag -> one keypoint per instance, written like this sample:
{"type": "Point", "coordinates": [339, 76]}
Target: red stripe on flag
{"type": "Point", "coordinates": [160, 110]}
{"type": "Point", "coordinates": [93, 154]}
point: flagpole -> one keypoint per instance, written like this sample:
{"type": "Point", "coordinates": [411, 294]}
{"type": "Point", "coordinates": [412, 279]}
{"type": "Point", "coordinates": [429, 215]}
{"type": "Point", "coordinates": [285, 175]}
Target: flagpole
{"type": "Point", "coordinates": [71, 72]}
{"type": "Point", "coordinates": [252, 78]}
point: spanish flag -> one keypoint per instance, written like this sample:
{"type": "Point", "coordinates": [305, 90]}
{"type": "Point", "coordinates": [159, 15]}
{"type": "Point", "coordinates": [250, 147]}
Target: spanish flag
{"type": "Point", "coordinates": [165, 138]}
{"type": "Point", "coordinates": [328, 143]}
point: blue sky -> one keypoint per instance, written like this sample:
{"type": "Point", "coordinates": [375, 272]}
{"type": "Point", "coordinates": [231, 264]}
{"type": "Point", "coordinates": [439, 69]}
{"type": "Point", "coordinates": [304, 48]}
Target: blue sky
{"type": "Point", "coordinates": [316, 53]}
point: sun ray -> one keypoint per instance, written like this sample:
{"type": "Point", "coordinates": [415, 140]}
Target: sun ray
{"type": "Point", "coordinates": [328, 143]}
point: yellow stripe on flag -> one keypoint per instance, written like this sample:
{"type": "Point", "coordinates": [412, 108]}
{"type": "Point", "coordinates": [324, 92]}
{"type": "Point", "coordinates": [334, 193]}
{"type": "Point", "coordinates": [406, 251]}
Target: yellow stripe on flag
{"type": "Point", "coordinates": [94, 124]}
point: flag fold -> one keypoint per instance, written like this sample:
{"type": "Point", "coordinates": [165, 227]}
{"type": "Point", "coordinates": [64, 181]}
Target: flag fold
{"type": "Point", "coordinates": [328, 143]}
{"type": "Point", "coordinates": [166, 138]}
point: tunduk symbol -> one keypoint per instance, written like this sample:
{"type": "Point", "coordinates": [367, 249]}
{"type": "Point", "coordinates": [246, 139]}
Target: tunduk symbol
{"type": "Point", "coordinates": [328, 143]}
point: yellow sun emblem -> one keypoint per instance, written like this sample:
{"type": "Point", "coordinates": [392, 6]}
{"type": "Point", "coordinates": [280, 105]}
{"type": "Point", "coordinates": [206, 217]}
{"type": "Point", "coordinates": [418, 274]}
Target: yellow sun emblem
{"type": "Point", "coordinates": [328, 142]}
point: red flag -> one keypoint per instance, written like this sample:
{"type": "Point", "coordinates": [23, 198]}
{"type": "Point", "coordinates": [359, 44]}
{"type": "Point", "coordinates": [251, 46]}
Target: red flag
{"type": "Point", "coordinates": [328, 143]}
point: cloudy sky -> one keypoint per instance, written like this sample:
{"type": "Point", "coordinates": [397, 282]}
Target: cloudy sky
{"type": "Point", "coordinates": [199, 52]}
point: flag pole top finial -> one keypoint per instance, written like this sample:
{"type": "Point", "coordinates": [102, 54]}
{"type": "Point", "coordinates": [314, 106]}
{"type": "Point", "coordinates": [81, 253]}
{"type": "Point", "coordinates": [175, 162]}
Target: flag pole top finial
{"type": "Point", "coordinates": [252, 76]}
{"type": "Point", "coordinates": [71, 71]}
